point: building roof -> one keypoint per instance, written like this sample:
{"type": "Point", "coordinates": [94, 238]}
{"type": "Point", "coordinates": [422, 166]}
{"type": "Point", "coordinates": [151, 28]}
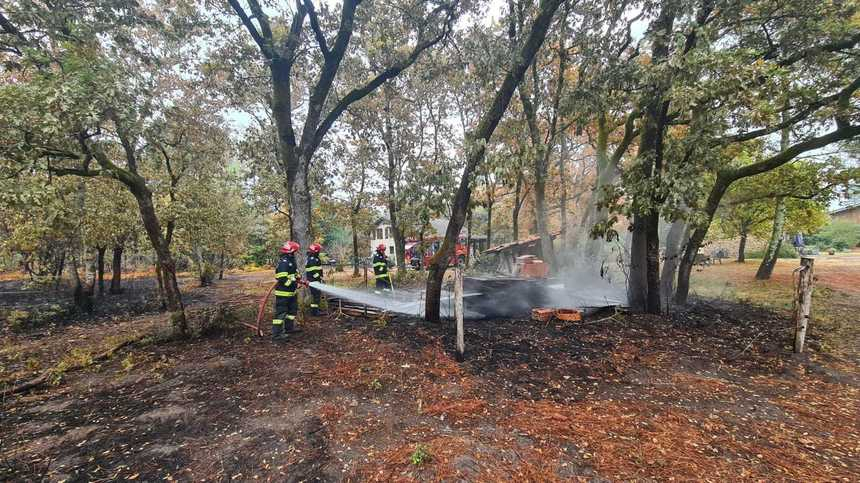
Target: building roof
{"type": "Point", "coordinates": [853, 204]}
{"type": "Point", "coordinates": [530, 241]}
{"type": "Point", "coordinates": [440, 226]}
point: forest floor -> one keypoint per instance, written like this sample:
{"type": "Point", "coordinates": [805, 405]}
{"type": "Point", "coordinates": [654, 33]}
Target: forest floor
{"type": "Point", "coordinates": [711, 392]}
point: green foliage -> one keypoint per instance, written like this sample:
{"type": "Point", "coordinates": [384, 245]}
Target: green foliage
{"type": "Point", "coordinates": [15, 319]}
{"type": "Point", "coordinates": [840, 235]}
{"type": "Point", "coordinates": [785, 251]}
{"type": "Point", "coordinates": [421, 455]}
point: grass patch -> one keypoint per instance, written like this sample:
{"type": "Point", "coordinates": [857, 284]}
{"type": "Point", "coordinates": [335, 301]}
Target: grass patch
{"type": "Point", "coordinates": [420, 456]}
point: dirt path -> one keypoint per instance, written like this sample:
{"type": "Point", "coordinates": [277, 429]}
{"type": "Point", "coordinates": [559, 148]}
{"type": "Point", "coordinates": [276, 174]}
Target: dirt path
{"type": "Point", "coordinates": [709, 394]}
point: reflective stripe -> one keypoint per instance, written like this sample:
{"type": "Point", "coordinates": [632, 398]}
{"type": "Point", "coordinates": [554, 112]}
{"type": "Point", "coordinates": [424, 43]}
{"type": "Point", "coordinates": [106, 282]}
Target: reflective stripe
{"type": "Point", "coordinates": [277, 321]}
{"type": "Point", "coordinates": [313, 269]}
{"type": "Point", "coordinates": [315, 306]}
{"type": "Point", "coordinates": [284, 293]}
{"type": "Point", "coordinates": [282, 274]}
{"type": "Point", "coordinates": [380, 264]}
{"type": "Point", "coordinates": [291, 317]}
{"type": "Point", "coordinates": [383, 275]}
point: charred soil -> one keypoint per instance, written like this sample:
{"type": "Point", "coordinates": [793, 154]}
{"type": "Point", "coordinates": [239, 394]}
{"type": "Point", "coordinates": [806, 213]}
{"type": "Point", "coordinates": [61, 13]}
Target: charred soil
{"type": "Point", "coordinates": [708, 393]}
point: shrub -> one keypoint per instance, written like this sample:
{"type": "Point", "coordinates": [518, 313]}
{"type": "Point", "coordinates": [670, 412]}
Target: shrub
{"type": "Point", "coordinates": [840, 235]}
{"type": "Point", "coordinates": [785, 251]}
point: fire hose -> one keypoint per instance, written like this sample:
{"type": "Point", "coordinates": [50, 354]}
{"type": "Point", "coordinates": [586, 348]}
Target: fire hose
{"type": "Point", "coordinates": [258, 328]}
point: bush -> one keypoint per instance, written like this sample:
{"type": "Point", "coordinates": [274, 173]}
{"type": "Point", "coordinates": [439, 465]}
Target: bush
{"type": "Point", "coordinates": [840, 235]}
{"type": "Point", "coordinates": [785, 251]}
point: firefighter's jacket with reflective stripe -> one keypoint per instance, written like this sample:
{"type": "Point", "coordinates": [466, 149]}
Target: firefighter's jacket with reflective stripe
{"type": "Point", "coordinates": [313, 268]}
{"type": "Point", "coordinates": [380, 265]}
{"type": "Point", "coordinates": [286, 274]}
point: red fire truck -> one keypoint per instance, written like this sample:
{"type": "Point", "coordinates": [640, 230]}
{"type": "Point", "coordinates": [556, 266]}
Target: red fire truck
{"type": "Point", "coordinates": [431, 245]}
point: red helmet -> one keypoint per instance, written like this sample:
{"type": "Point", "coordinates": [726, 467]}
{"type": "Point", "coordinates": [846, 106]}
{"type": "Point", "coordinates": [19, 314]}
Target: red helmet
{"type": "Point", "coordinates": [381, 247]}
{"type": "Point", "coordinates": [315, 248]}
{"type": "Point", "coordinates": [290, 247]}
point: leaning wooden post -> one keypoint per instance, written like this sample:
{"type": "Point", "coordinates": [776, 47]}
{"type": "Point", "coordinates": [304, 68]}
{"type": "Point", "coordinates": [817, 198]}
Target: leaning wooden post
{"type": "Point", "coordinates": [458, 311]}
{"type": "Point", "coordinates": [802, 302]}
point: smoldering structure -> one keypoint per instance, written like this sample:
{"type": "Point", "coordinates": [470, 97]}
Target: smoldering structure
{"type": "Point", "coordinates": [495, 294]}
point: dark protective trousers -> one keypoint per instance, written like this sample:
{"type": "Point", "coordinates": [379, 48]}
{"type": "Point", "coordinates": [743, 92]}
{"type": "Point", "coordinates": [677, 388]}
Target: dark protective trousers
{"type": "Point", "coordinates": [383, 283]}
{"type": "Point", "coordinates": [286, 309]}
{"type": "Point", "coordinates": [315, 303]}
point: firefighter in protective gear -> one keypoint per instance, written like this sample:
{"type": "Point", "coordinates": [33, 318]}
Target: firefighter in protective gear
{"type": "Point", "coordinates": [380, 270]}
{"type": "Point", "coordinates": [314, 273]}
{"type": "Point", "coordinates": [286, 303]}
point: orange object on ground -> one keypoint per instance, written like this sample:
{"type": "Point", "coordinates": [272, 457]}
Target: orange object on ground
{"type": "Point", "coordinates": [571, 315]}
{"type": "Point", "coordinates": [528, 266]}
{"type": "Point", "coordinates": [542, 315]}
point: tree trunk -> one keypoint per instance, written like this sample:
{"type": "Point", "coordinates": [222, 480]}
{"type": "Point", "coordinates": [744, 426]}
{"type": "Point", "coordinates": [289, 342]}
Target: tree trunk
{"type": "Point", "coordinates": [742, 246]}
{"type": "Point", "coordinates": [765, 270]}
{"type": "Point", "coordinates": [562, 179]}
{"type": "Point", "coordinates": [607, 174]}
{"type": "Point", "coordinates": [637, 283]}
{"type": "Point", "coordinates": [116, 270]}
{"type": "Point", "coordinates": [166, 265]}
{"type": "Point", "coordinates": [490, 204]}
{"type": "Point", "coordinates": [547, 250]}
{"type": "Point", "coordinates": [677, 235]}
{"type": "Point", "coordinates": [653, 263]}
{"type": "Point", "coordinates": [721, 185]}
{"type": "Point", "coordinates": [650, 160]}
{"type": "Point", "coordinates": [479, 138]}
{"type": "Point", "coordinates": [392, 178]}
{"type": "Point", "coordinates": [515, 216]}
{"type": "Point", "coordinates": [221, 266]}
{"type": "Point", "coordinates": [100, 267]}
{"type": "Point", "coordinates": [300, 209]}
{"type": "Point", "coordinates": [397, 234]}
{"type": "Point", "coordinates": [83, 300]}
{"type": "Point", "coordinates": [355, 272]}
{"type": "Point", "coordinates": [469, 238]}
{"type": "Point", "coordinates": [61, 265]}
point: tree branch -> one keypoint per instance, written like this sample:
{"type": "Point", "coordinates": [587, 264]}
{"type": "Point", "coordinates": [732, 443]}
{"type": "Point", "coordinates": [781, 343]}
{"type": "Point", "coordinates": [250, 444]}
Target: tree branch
{"type": "Point", "coordinates": [842, 97]}
{"type": "Point", "coordinates": [834, 46]}
{"type": "Point", "coordinates": [264, 44]}
{"type": "Point", "coordinates": [393, 71]}
{"type": "Point", "coordinates": [630, 133]}
{"type": "Point", "coordinates": [777, 160]}
{"type": "Point", "coordinates": [11, 29]}
{"type": "Point", "coordinates": [86, 173]}
{"type": "Point", "coordinates": [315, 26]}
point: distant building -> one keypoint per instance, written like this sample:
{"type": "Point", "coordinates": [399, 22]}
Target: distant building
{"type": "Point", "coordinates": [847, 206]}
{"type": "Point", "coordinates": [381, 233]}
{"type": "Point", "coordinates": [850, 213]}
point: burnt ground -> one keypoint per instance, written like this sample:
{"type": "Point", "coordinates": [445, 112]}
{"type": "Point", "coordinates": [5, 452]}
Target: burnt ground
{"type": "Point", "coordinates": [710, 393]}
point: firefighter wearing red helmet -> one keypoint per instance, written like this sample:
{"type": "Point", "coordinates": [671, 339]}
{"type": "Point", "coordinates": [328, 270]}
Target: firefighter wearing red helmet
{"type": "Point", "coordinates": [286, 303]}
{"type": "Point", "coordinates": [380, 269]}
{"type": "Point", "coordinates": [314, 273]}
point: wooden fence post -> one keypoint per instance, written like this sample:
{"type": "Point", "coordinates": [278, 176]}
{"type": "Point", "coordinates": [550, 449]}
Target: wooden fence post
{"type": "Point", "coordinates": [458, 311]}
{"type": "Point", "coordinates": [802, 302]}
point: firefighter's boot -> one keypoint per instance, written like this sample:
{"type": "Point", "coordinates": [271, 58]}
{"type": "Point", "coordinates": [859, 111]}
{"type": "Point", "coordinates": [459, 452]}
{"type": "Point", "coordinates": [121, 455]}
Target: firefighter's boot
{"type": "Point", "coordinates": [278, 334]}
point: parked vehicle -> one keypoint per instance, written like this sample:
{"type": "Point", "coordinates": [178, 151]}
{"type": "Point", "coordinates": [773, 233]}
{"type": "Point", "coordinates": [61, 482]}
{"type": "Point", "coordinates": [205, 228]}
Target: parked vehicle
{"type": "Point", "coordinates": [431, 246]}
